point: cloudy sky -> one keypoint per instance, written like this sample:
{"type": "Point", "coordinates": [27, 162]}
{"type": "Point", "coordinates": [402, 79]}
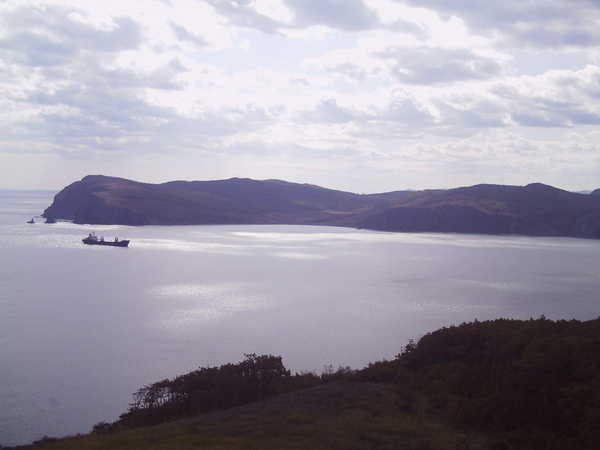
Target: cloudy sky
{"type": "Point", "coordinates": [359, 95]}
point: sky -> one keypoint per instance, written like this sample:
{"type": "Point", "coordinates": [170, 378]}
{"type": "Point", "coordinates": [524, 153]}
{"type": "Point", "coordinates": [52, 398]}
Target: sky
{"type": "Point", "coordinates": [363, 96]}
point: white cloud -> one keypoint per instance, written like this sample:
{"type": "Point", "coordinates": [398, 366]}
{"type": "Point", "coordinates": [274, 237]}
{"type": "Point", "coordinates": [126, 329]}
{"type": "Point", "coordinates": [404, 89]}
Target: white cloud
{"type": "Point", "coordinates": [333, 91]}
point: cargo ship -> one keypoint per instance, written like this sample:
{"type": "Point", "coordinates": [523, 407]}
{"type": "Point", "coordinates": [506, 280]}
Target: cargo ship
{"type": "Point", "coordinates": [92, 239]}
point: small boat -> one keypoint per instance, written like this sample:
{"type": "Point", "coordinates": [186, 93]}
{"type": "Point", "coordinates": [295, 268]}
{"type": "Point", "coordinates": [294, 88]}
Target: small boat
{"type": "Point", "coordinates": [31, 221]}
{"type": "Point", "coordinates": [92, 239]}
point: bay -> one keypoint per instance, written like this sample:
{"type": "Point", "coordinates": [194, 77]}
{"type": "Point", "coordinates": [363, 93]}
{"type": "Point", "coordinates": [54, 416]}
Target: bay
{"type": "Point", "coordinates": [82, 328]}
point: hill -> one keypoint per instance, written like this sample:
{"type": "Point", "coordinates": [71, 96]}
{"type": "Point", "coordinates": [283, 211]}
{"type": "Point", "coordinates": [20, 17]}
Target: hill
{"type": "Point", "coordinates": [106, 200]}
{"type": "Point", "coordinates": [500, 384]}
{"type": "Point", "coordinates": [535, 209]}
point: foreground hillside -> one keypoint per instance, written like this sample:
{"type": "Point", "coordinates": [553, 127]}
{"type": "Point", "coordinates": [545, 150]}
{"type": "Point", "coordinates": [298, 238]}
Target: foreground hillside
{"type": "Point", "coordinates": [342, 415]}
{"type": "Point", "coordinates": [499, 384]}
{"type": "Point", "coordinates": [535, 209]}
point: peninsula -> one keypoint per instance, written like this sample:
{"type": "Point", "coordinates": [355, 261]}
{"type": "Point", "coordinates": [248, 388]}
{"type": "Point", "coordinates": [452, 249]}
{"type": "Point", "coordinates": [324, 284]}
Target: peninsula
{"type": "Point", "coordinates": [535, 209]}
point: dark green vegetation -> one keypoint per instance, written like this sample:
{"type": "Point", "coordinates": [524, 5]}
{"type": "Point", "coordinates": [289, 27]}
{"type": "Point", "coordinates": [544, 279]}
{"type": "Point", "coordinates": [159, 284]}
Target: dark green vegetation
{"type": "Point", "coordinates": [206, 389]}
{"type": "Point", "coordinates": [534, 382]}
{"type": "Point", "coordinates": [498, 384]}
{"type": "Point", "coordinates": [535, 209]}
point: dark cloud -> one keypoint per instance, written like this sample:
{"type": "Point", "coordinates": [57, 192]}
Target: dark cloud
{"type": "Point", "coordinates": [183, 34]}
{"type": "Point", "coordinates": [47, 36]}
{"type": "Point", "coordinates": [405, 109]}
{"type": "Point", "coordinates": [551, 24]}
{"type": "Point", "coordinates": [402, 26]}
{"type": "Point", "coordinates": [81, 128]}
{"type": "Point", "coordinates": [460, 115]}
{"type": "Point", "coordinates": [126, 36]}
{"type": "Point", "coordinates": [96, 106]}
{"type": "Point", "coordinates": [405, 116]}
{"type": "Point", "coordinates": [239, 13]}
{"type": "Point", "coordinates": [163, 78]}
{"type": "Point", "coordinates": [427, 65]}
{"type": "Point", "coordinates": [402, 116]}
{"type": "Point", "coordinates": [303, 82]}
{"type": "Point", "coordinates": [344, 15]}
{"type": "Point", "coordinates": [349, 69]}
{"type": "Point", "coordinates": [556, 36]}
{"type": "Point", "coordinates": [327, 111]}
{"type": "Point", "coordinates": [116, 118]}
{"type": "Point", "coordinates": [36, 50]}
{"type": "Point", "coordinates": [557, 99]}
{"type": "Point", "coordinates": [543, 113]}
{"type": "Point", "coordinates": [538, 118]}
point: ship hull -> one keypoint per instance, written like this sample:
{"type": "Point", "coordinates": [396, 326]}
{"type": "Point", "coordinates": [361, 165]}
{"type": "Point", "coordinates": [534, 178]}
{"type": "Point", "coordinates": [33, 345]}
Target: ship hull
{"type": "Point", "coordinates": [123, 243]}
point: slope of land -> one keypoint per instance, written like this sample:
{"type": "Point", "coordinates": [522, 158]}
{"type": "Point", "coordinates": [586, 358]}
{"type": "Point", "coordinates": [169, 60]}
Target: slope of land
{"type": "Point", "coordinates": [535, 209]}
{"type": "Point", "coordinates": [501, 384]}
{"type": "Point", "coordinates": [338, 415]}
{"type": "Point", "coordinates": [106, 200]}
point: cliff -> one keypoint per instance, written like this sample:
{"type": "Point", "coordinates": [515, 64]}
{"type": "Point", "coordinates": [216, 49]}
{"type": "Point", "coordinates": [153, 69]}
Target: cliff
{"type": "Point", "coordinates": [535, 209]}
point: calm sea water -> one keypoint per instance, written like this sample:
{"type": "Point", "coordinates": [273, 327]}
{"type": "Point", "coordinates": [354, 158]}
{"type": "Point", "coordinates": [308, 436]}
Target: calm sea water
{"type": "Point", "coordinates": [82, 328]}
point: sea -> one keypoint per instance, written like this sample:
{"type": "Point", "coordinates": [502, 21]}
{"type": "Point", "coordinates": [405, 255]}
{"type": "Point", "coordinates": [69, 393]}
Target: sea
{"type": "Point", "coordinates": [84, 327]}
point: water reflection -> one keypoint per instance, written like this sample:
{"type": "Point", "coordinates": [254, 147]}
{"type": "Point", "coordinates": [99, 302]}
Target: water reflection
{"type": "Point", "coordinates": [187, 246]}
{"type": "Point", "coordinates": [496, 285]}
{"type": "Point", "coordinates": [300, 255]}
{"type": "Point", "coordinates": [195, 304]}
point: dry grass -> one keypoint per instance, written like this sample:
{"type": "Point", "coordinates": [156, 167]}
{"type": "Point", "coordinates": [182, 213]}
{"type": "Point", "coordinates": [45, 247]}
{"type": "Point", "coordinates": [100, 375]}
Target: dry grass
{"type": "Point", "coordinates": [333, 416]}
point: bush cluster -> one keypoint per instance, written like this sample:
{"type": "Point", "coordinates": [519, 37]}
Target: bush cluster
{"type": "Point", "coordinates": [536, 381]}
{"type": "Point", "coordinates": [205, 389]}
{"type": "Point", "coordinates": [214, 388]}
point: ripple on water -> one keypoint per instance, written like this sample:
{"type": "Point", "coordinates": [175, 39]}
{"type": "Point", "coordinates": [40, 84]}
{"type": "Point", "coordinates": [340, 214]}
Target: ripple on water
{"type": "Point", "coordinates": [192, 304]}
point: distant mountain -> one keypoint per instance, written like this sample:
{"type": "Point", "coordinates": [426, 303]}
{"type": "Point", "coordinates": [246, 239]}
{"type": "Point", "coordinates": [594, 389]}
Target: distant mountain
{"type": "Point", "coordinates": [535, 209]}
{"type": "Point", "coordinates": [98, 199]}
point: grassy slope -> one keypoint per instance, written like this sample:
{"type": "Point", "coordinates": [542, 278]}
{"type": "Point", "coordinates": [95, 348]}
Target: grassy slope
{"type": "Point", "coordinates": [497, 384]}
{"type": "Point", "coordinates": [340, 415]}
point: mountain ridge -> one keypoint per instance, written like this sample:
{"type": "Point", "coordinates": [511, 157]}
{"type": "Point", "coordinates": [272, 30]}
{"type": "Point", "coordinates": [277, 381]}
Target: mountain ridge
{"type": "Point", "coordinates": [535, 209]}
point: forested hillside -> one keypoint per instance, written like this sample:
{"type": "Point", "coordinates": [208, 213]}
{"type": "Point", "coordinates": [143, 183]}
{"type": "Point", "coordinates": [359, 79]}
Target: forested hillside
{"type": "Point", "coordinates": [535, 382]}
{"type": "Point", "coordinates": [498, 384]}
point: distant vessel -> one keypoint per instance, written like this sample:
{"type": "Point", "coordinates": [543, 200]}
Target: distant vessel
{"type": "Point", "coordinates": [31, 221]}
{"type": "Point", "coordinates": [92, 239]}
